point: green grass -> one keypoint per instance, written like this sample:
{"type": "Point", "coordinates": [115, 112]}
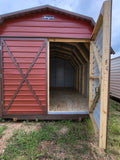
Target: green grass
{"type": "Point", "coordinates": [76, 131]}
{"type": "Point", "coordinates": [2, 128]}
{"type": "Point", "coordinates": [2, 120]}
{"type": "Point", "coordinates": [73, 143]}
{"type": "Point", "coordinates": [23, 143]}
{"type": "Point", "coordinates": [114, 128]}
{"type": "Point", "coordinates": [26, 145]}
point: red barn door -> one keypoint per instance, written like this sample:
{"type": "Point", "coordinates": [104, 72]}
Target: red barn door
{"type": "Point", "coordinates": [24, 76]}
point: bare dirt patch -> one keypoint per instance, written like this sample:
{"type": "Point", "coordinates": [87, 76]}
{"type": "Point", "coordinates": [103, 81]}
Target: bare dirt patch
{"type": "Point", "coordinates": [63, 130]}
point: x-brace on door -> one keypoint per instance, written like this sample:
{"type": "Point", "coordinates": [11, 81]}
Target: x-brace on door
{"type": "Point", "coordinates": [24, 76]}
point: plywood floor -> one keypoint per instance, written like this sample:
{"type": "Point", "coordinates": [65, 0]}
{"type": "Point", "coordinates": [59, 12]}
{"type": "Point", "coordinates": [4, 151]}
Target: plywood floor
{"type": "Point", "coordinates": [67, 99]}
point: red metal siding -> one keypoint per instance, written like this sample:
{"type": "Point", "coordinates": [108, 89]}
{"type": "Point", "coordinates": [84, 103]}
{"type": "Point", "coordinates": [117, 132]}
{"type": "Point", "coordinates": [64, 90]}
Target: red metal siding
{"type": "Point", "coordinates": [33, 25]}
{"type": "Point", "coordinates": [24, 52]}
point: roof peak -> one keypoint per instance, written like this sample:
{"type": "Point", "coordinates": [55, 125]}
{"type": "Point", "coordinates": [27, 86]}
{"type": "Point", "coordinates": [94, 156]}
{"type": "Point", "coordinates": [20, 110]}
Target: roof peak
{"type": "Point", "coordinates": [44, 7]}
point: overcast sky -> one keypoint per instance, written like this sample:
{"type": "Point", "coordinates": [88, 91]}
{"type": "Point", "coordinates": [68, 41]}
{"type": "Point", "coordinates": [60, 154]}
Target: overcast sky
{"type": "Point", "coordinates": [86, 7]}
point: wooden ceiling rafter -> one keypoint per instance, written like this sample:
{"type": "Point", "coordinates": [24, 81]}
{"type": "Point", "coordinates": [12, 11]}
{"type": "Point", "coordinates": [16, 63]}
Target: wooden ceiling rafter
{"type": "Point", "coordinates": [76, 60]}
{"type": "Point", "coordinates": [70, 50]}
{"type": "Point", "coordinates": [72, 56]}
{"type": "Point", "coordinates": [72, 44]}
{"type": "Point", "coordinates": [60, 50]}
{"type": "Point", "coordinates": [80, 50]}
{"type": "Point", "coordinates": [87, 46]}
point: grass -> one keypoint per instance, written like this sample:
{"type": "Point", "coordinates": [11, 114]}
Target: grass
{"type": "Point", "coordinates": [28, 145]}
{"type": "Point", "coordinates": [2, 120]}
{"type": "Point", "coordinates": [114, 128]}
{"type": "Point", "coordinates": [63, 140]}
{"type": "Point", "coordinates": [2, 128]}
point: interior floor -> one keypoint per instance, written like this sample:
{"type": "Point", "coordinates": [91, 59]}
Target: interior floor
{"type": "Point", "coordinates": [67, 99]}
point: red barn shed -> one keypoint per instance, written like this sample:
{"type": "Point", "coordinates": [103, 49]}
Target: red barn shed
{"type": "Point", "coordinates": [54, 64]}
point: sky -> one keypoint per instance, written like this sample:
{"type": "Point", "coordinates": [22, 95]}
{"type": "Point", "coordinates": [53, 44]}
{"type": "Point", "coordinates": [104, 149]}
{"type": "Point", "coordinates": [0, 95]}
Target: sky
{"type": "Point", "coordinates": [89, 8]}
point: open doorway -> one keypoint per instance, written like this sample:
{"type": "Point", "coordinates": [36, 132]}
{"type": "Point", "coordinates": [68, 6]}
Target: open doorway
{"type": "Point", "coordinates": [68, 78]}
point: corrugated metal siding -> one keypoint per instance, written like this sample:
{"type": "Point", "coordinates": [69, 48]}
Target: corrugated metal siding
{"type": "Point", "coordinates": [95, 85]}
{"type": "Point", "coordinates": [33, 25]}
{"type": "Point", "coordinates": [115, 77]}
{"type": "Point", "coordinates": [99, 39]}
{"type": "Point", "coordinates": [96, 114]}
{"type": "Point", "coordinates": [95, 67]}
{"type": "Point", "coordinates": [95, 73]}
{"type": "Point", "coordinates": [24, 51]}
{"type": "Point", "coordinates": [61, 73]}
{"type": "Point", "coordinates": [99, 43]}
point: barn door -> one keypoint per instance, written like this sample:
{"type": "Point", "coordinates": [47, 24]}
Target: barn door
{"type": "Point", "coordinates": [99, 73]}
{"type": "Point", "coordinates": [24, 76]}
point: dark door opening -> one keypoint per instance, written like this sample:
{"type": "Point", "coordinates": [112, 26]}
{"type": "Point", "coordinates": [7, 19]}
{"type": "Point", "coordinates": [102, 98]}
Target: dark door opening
{"type": "Point", "coordinates": [65, 89]}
